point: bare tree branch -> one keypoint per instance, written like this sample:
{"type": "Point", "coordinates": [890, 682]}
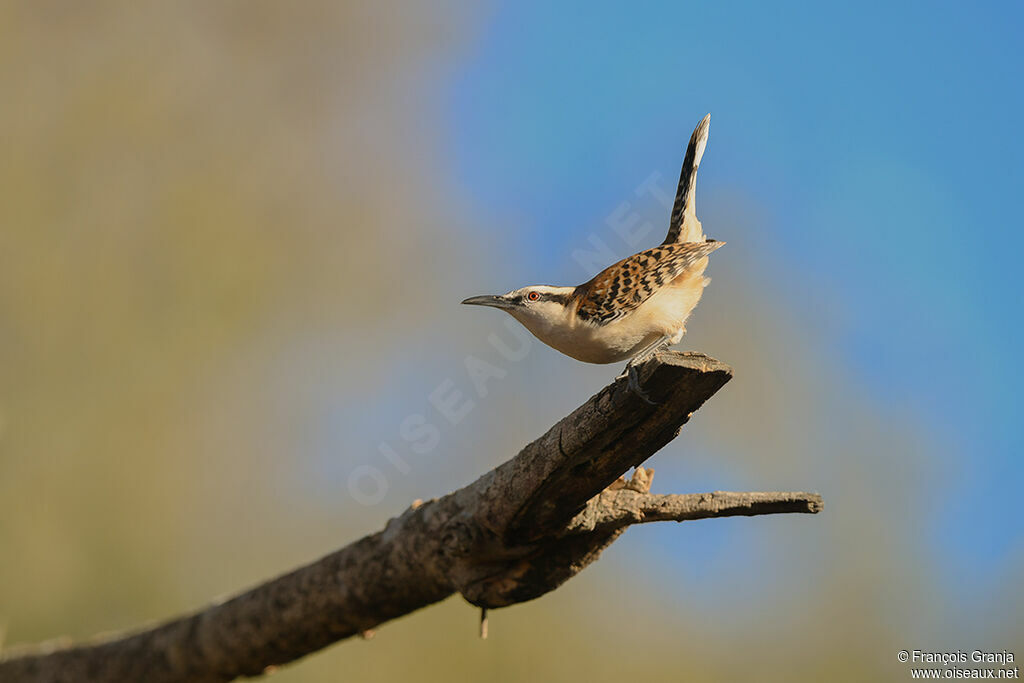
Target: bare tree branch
{"type": "Point", "coordinates": [616, 509]}
{"type": "Point", "coordinates": [517, 532]}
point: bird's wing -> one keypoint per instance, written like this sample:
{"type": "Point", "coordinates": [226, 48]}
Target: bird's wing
{"type": "Point", "coordinates": [620, 288]}
{"type": "Point", "coordinates": [683, 225]}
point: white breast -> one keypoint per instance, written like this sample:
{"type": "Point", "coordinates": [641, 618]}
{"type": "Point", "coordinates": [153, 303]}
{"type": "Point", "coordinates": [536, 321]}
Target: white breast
{"type": "Point", "coordinates": [662, 315]}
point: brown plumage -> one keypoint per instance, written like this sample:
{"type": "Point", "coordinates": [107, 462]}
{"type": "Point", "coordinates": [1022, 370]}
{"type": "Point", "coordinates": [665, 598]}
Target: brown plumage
{"type": "Point", "coordinates": [624, 286]}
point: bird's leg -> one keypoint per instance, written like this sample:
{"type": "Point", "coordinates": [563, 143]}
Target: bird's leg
{"type": "Point", "coordinates": [632, 372]}
{"type": "Point", "coordinates": [648, 353]}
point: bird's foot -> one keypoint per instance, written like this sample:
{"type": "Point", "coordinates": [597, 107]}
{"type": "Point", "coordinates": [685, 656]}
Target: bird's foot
{"type": "Point", "coordinates": [632, 372]}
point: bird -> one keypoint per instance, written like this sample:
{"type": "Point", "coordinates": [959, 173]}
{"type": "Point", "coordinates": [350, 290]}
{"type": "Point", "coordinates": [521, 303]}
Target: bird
{"type": "Point", "coordinates": [633, 308]}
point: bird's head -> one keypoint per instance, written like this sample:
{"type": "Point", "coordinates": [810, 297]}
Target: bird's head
{"type": "Point", "coordinates": [538, 307]}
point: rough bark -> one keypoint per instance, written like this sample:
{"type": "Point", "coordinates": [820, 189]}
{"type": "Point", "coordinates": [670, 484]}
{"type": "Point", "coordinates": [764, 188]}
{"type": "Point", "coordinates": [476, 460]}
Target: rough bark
{"type": "Point", "coordinates": [517, 532]}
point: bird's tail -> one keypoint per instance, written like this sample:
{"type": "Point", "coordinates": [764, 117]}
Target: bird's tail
{"type": "Point", "coordinates": [684, 226]}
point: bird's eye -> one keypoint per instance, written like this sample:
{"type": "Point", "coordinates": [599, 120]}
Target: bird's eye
{"type": "Point", "coordinates": [533, 296]}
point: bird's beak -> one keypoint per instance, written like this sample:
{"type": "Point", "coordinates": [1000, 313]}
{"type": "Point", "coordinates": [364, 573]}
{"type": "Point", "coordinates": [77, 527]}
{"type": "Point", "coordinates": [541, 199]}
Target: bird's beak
{"type": "Point", "coordinates": [489, 300]}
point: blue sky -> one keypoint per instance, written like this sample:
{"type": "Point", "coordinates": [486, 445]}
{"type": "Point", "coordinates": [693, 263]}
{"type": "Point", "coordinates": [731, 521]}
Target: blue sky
{"type": "Point", "coordinates": [881, 143]}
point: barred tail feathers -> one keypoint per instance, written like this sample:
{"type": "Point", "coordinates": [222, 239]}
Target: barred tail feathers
{"type": "Point", "coordinates": [683, 225]}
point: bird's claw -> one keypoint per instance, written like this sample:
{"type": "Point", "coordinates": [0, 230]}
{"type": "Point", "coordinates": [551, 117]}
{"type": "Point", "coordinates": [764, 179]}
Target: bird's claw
{"type": "Point", "coordinates": [633, 374]}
